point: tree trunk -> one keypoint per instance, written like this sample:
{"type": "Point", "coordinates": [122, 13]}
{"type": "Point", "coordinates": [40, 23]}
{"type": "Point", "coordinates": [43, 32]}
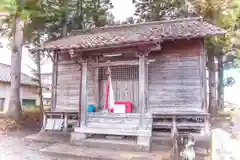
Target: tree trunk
{"type": "Point", "coordinates": [79, 23]}
{"type": "Point", "coordinates": [38, 59]}
{"type": "Point", "coordinates": [221, 83]}
{"type": "Point", "coordinates": [212, 85]}
{"type": "Point", "coordinates": [65, 24]}
{"type": "Point", "coordinates": [14, 110]}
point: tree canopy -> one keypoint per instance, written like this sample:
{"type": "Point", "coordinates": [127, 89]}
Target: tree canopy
{"type": "Point", "coordinates": [46, 17]}
{"type": "Point", "coordinates": [156, 10]}
{"type": "Point", "coordinates": [35, 21]}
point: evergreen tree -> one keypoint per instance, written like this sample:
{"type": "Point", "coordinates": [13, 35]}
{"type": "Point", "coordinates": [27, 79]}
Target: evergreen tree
{"type": "Point", "coordinates": [19, 13]}
{"type": "Point", "coordinates": [155, 10]}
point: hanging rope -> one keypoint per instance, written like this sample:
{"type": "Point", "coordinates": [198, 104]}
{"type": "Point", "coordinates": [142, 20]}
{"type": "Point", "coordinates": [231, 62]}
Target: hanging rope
{"type": "Point", "coordinates": [108, 71]}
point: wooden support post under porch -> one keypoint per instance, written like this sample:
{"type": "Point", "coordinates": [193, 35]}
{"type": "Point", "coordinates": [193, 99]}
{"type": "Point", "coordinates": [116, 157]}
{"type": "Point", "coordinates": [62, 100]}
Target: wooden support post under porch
{"type": "Point", "coordinates": [145, 133]}
{"type": "Point", "coordinates": [84, 98]}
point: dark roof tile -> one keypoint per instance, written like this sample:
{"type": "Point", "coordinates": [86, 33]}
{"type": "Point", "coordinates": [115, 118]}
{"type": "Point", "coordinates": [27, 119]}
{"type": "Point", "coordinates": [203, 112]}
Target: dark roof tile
{"type": "Point", "coordinates": [5, 76]}
{"type": "Point", "coordinates": [144, 32]}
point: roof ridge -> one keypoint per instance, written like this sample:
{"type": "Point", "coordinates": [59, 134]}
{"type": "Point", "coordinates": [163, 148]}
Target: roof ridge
{"type": "Point", "coordinates": [96, 29]}
{"type": "Point", "coordinates": [97, 38]}
{"type": "Point", "coordinates": [3, 64]}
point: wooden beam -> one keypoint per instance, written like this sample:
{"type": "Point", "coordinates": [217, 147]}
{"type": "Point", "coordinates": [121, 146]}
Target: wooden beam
{"type": "Point", "coordinates": [124, 48]}
{"type": "Point", "coordinates": [84, 95]}
{"type": "Point", "coordinates": [54, 81]}
{"type": "Point", "coordinates": [109, 48]}
{"type": "Point", "coordinates": [142, 89]}
{"type": "Point", "coordinates": [118, 63]}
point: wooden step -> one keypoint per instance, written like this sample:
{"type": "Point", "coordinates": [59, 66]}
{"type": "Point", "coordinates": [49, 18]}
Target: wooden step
{"type": "Point", "coordinates": [71, 151]}
{"type": "Point", "coordinates": [110, 131]}
{"type": "Point", "coordinates": [159, 139]}
{"type": "Point", "coordinates": [113, 144]}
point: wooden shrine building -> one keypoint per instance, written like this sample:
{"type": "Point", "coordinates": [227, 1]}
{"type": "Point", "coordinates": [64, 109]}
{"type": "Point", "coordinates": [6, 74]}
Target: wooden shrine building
{"type": "Point", "coordinates": [158, 67]}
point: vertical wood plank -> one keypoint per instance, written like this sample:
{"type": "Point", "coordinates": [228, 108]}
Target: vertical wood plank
{"type": "Point", "coordinates": [117, 90]}
{"type": "Point", "coordinates": [65, 124]}
{"type": "Point", "coordinates": [204, 76]}
{"type": "Point", "coordinates": [136, 96]}
{"type": "Point", "coordinates": [101, 95]}
{"type": "Point", "coordinates": [142, 93]}
{"type": "Point", "coordinates": [84, 95]}
{"type": "Point", "coordinates": [53, 82]}
{"type": "Point", "coordinates": [202, 81]}
{"type": "Point", "coordinates": [56, 80]}
{"type": "Point", "coordinates": [96, 90]}
{"type": "Point", "coordinates": [146, 85]}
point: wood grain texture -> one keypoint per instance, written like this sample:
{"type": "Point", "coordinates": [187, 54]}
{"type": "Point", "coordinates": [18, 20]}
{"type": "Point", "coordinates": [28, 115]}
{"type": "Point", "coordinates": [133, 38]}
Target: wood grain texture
{"type": "Point", "coordinates": [175, 80]}
{"type": "Point", "coordinates": [96, 90]}
{"type": "Point", "coordinates": [204, 78]}
{"type": "Point", "coordinates": [84, 94]}
{"type": "Point", "coordinates": [113, 121]}
{"type": "Point", "coordinates": [91, 85]}
{"type": "Point", "coordinates": [54, 81]}
{"type": "Point", "coordinates": [142, 88]}
{"type": "Point", "coordinates": [117, 124]}
{"type": "Point", "coordinates": [124, 90]}
{"type": "Point", "coordinates": [68, 84]}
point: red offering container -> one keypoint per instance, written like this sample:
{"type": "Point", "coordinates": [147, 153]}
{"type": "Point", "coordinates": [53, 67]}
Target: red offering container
{"type": "Point", "coordinates": [128, 105]}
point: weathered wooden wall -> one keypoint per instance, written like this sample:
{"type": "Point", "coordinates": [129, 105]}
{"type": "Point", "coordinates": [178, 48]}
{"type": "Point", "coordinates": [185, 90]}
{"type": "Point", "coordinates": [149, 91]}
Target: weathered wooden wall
{"type": "Point", "coordinates": [175, 78]}
{"type": "Point", "coordinates": [91, 86]}
{"type": "Point", "coordinates": [68, 84]}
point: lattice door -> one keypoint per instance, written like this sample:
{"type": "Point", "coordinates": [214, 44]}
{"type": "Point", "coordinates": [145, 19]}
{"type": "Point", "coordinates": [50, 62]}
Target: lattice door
{"type": "Point", "coordinates": [125, 81]}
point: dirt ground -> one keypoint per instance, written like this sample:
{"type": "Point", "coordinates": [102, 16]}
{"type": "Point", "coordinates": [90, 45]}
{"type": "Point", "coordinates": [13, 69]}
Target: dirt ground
{"type": "Point", "coordinates": [13, 147]}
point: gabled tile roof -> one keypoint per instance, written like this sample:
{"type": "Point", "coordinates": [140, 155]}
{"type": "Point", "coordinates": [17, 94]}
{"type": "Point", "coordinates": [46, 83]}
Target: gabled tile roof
{"type": "Point", "coordinates": [143, 32]}
{"type": "Point", "coordinates": [5, 76]}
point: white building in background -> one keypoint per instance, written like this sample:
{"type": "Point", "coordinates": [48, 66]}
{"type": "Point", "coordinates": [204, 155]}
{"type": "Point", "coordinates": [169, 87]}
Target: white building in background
{"type": "Point", "coordinates": [27, 65]}
{"type": "Point", "coordinates": [28, 89]}
{"type": "Point", "coordinates": [47, 81]}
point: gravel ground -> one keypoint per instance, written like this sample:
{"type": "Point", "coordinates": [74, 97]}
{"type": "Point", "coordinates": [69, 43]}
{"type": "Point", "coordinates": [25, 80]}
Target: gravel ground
{"type": "Point", "coordinates": [13, 147]}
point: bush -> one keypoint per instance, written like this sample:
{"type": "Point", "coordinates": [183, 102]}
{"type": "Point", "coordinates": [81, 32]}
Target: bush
{"type": "Point", "coordinates": [7, 124]}
{"type": "Point", "coordinates": [31, 119]}
{"type": "Point", "coordinates": [32, 115]}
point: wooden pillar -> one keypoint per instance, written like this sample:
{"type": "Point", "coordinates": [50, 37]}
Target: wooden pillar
{"type": "Point", "coordinates": [205, 82]}
{"type": "Point", "coordinates": [96, 90]}
{"type": "Point", "coordinates": [54, 81]}
{"type": "Point", "coordinates": [145, 126]}
{"type": "Point", "coordinates": [84, 95]}
{"type": "Point", "coordinates": [142, 88]}
{"type": "Point", "coordinates": [203, 77]}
